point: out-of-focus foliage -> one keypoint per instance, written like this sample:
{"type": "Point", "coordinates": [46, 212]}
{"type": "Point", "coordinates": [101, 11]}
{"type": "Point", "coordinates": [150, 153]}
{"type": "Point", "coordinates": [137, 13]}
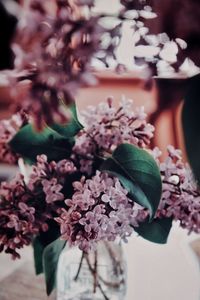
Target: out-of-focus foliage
{"type": "Point", "coordinates": [191, 125]}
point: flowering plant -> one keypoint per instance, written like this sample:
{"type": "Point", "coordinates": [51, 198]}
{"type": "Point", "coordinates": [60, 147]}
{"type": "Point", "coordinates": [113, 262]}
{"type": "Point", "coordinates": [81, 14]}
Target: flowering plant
{"type": "Point", "coordinates": [97, 179]}
{"type": "Point", "coordinates": [90, 183]}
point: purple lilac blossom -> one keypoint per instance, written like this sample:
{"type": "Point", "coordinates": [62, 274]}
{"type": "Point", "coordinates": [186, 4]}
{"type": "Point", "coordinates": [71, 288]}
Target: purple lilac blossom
{"type": "Point", "coordinates": [26, 208]}
{"type": "Point", "coordinates": [56, 51]}
{"type": "Point", "coordinates": [99, 209]}
{"type": "Point", "coordinates": [54, 48]}
{"type": "Point", "coordinates": [19, 222]}
{"type": "Point", "coordinates": [106, 127]}
{"type": "Point", "coordinates": [8, 128]}
{"type": "Point", "coordinates": [180, 195]}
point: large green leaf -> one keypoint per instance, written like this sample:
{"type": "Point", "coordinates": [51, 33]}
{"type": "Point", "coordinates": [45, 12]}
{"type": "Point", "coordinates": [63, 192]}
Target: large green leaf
{"type": "Point", "coordinates": [55, 141]}
{"type": "Point", "coordinates": [41, 241]}
{"type": "Point", "coordinates": [29, 143]}
{"type": "Point", "coordinates": [157, 231]}
{"type": "Point", "coordinates": [191, 125]}
{"type": "Point", "coordinates": [50, 261]}
{"type": "Point", "coordinates": [138, 173]}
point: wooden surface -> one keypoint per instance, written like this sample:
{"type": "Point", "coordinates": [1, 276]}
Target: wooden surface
{"type": "Point", "coordinates": [23, 284]}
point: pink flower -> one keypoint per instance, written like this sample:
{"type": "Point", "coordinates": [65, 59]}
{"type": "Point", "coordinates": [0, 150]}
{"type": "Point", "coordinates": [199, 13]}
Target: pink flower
{"type": "Point", "coordinates": [25, 209]}
{"type": "Point", "coordinates": [103, 211]}
{"type": "Point", "coordinates": [106, 127]}
{"type": "Point", "coordinates": [174, 153]}
{"type": "Point", "coordinates": [65, 167]}
{"type": "Point", "coordinates": [181, 196]}
{"type": "Point", "coordinates": [52, 190]}
{"type": "Point", "coordinates": [8, 128]}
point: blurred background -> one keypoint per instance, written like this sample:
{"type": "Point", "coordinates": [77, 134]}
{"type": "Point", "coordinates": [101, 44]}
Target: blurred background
{"type": "Point", "coordinates": [157, 271]}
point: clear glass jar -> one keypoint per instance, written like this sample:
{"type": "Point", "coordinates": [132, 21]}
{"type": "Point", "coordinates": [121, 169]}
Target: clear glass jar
{"type": "Point", "coordinates": [98, 275]}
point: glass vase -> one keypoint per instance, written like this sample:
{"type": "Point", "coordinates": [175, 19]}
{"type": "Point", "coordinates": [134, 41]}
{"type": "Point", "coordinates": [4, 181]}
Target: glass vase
{"type": "Point", "coordinates": [97, 275]}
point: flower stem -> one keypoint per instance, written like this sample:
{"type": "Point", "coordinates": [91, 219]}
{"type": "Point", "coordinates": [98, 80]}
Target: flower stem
{"type": "Point", "coordinates": [177, 186]}
{"type": "Point", "coordinates": [95, 271]}
{"type": "Point", "coordinates": [102, 291]}
{"type": "Point", "coordinates": [79, 267]}
{"type": "Point", "coordinates": [97, 282]}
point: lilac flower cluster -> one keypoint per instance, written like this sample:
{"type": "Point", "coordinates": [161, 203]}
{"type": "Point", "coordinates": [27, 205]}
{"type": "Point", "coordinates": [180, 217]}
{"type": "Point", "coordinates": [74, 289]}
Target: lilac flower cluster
{"type": "Point", "coordinates": [106, 127]}
{"type": "Point", "coordinates": [55, 46]}
{"type": "Point", "coordinates": [19, 216]}
{"type": "Point", "coordinates": [181, 196]}
{"type": "Point", "coordinates": [99, 209]}
{"type": "Point", "coordinates": [56, 50]}
{"type": "Point", "coordinates": [8, 128]}
{"type": "Point", "coordinates": [25, 208]}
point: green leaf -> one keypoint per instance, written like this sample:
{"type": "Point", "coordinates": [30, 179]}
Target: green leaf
{"type": "Point", "coordinates": [41, 241]}
{"type": "Point", "coordinates": [138, 173]}
{"type": "Point", "coordinates": [157, 231]}
{"type": "Point", "coordinates": [29, 143]}
{"type": "Point", "coordinates": [50, 261]}
{"type": "Point", "coordinates": [55, 141]}
{"type": "Point", "coordinates": [72, 128]}
{"type": "Point", "coordinates": [38, 249]}
{"type": "Point", "coordinates": [191, 125]}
